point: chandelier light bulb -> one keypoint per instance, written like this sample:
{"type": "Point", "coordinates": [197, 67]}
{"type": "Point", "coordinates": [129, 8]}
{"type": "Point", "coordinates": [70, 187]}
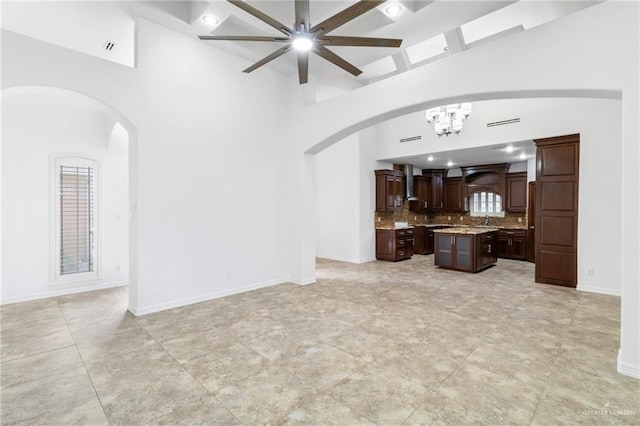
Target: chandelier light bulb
{"type": "Point", "coordinates": [448, 119]}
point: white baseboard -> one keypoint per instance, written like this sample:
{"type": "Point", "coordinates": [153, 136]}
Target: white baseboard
{"type": "Point", "coordinates": [62, 292]}
{"type": "Point", "coordinates": [599, 290]}
{"type": "Point", "coordinates": [347, 259]}
{"type": "Point", "coordinates": [628, 369]}
{"type": "Point", "coordinates": [304, 281]}
{"type": "Point", "coordinates": [204, 297]}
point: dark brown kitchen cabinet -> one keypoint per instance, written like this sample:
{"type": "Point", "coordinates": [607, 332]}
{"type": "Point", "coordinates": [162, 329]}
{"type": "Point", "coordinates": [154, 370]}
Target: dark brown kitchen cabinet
{"type": "Point", "coordinates": [465, 252]}
{"type": "Point", "coordinates": [423, 192]}
{"type": "Point", "coordinates": [512, 244]}
{"type": "Point", "coordinates": [429, 243]}
{"type": "Point", "coordinates": [389, 190]}
{"type": "Point", "coordinates": [454, 194]}
{"type": "Point", "coordinates": [486, 250]}
{"type": "Point", "coordinates": [420, 240]}
{"type": "Point", "coordinates": [437, 188]}
{"type": "Point", "coordinates": [516, 184]}
{"type": "Point", "coordinates": [394, 244]}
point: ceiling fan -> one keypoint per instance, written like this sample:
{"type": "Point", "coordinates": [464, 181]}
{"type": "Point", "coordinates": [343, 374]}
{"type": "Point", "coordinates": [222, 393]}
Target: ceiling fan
{"type": "Point", "coordinates": [305, 38]}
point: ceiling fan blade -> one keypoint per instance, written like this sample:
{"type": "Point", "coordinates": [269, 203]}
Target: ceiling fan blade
{"type": "Point", "coordinates": [302, 14]}
{"type": "Point", "coordinates": [359, 41]}
{"type": "Point", "coordinates": [242, 38]}
{"type": "Point", "coordinates": [267, 59]}
{"type": "Point", "coordinates": [336, 60]}
{"type": "Point", "coordinates": [303, 67]}
{"type": "Point", "coordinates": [261, 16]}
{"type": "Point", "coordinates": [346, 15]}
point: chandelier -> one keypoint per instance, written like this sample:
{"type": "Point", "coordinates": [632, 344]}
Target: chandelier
{"type": "Point", "coordinates": [448, 119]}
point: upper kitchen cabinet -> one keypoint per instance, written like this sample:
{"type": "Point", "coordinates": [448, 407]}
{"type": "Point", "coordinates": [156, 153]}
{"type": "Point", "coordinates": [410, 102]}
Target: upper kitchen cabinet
{"type": "Point", "coordinates": [454, 199]}
{"type": "Point", "coordinates": [389, 190]}
{"type": "Point", "coordinates": [516, 192]}
{"type": "Point", "coordinates": [423, 192]}
{"type": "Point", "coordinates": [437, 188]}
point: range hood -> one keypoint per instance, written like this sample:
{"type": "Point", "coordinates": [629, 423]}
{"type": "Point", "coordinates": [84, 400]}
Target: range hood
{"type": "Point", "coordinates": [408, 170]}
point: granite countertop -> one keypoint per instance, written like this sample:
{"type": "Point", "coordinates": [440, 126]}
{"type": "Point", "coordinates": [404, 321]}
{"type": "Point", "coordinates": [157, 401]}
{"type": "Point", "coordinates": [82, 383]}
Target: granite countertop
{"type": "Point", "coordinates": [461, 230]}
{"type": "Point", "coordinates": [395, 227]}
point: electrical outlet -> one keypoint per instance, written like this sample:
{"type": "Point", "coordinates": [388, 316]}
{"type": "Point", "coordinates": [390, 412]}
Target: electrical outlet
{"type": "Point", "coordinates": [520, 219]}
{"type": "Point", "coordinates": [590, 272]}
{"type": "Point", "coordinates": [378, 218]}
{"type": "Point", "coordinates": [461, 218]}
{"type": "Point", "coordinates": [117, 268]}
{"type": "Point", "coordinates": [448, 217]}
{"type": "Point", "coordinates": [415, 218]}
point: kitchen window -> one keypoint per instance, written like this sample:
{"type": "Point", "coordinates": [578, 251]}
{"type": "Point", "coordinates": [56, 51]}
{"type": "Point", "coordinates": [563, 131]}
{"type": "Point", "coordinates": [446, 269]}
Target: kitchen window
{"type": "Point", "coordinates": [486, 204]}
{"type": "Point", "coordinates": [75, 230]}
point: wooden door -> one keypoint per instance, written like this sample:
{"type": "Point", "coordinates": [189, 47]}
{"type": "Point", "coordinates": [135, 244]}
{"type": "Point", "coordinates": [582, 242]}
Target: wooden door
{"type": "Point", "coordinates": [557, 163]}
{"type": "Point", "coordinates": [531, 220]}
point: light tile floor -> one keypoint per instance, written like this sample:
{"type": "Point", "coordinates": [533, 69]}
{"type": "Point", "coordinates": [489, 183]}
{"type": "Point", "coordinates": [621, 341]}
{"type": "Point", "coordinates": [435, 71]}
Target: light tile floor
{"type": "Point", "coordinates": [379, 343]}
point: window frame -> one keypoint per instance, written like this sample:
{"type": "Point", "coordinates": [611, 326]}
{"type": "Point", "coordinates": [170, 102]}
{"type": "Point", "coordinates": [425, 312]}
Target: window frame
{"type": "Point", "coordinates": [59, 280]}
{"type": "Point", "coordinates": [473, 213]}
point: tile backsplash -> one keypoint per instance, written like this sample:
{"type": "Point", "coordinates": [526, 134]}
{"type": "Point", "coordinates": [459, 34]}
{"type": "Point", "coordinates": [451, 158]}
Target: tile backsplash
{"type": "Point", "coordinates": [387, 219]}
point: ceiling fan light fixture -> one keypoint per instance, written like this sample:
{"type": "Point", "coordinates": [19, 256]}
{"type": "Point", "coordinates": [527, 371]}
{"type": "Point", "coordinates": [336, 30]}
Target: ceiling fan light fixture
{"type": "Point", "coordinates": [302, 43]}
{"type": "Point", "coordinates": [393, 9]}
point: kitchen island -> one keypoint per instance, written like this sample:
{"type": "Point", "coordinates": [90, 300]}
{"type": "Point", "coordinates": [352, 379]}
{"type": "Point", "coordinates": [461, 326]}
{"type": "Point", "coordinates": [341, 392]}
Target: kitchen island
{"type": "Point", "coordinates": [466, 249]}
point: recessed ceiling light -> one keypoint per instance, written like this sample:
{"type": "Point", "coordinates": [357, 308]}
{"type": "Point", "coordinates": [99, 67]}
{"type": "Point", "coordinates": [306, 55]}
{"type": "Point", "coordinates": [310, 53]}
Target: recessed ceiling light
{"type": "Point", "coordinates": [210, 20]}
{"type": "Point", "coordinates": [430, 158]}
{"type": "Point", "coordinates": [393, 9]}
{"type": "Point", "coordinates": [449, 164]}
{"type": "Point", "coordinates": [302, 43]}
{"type": "Point", "coordinates": [523, 156]}
{"type": "Point", "coordinates": [509, 148]}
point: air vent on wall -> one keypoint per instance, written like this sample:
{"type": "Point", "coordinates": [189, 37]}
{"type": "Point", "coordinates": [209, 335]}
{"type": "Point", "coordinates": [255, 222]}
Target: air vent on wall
{"type": "Point", "coordinates": [503, 122]}
{"type": "Point", "coordinates": [109, 45]}
{"type": "Point", "coordinates": [412, 138]}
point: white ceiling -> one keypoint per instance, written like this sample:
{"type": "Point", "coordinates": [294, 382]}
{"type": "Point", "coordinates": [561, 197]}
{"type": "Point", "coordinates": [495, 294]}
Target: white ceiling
{"type": "Point", "coordinates": [493, 154]}
{"type": "Point", "coordinates": [86, 26]}
{"type": "Point", "coordinates": [425, 27]}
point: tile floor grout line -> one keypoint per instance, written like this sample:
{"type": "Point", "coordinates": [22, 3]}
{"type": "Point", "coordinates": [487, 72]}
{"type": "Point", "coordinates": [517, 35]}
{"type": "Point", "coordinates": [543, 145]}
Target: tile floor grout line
{"type": "Point", "coordinates": [84, 364]}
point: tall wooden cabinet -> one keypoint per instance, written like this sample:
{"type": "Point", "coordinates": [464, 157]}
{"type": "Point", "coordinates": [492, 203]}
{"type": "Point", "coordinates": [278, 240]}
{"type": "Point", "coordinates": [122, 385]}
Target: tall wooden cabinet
{"type": "Point", "coordinates": [557, 165]}
{"type": "Point", "coordinates": [389, 190]}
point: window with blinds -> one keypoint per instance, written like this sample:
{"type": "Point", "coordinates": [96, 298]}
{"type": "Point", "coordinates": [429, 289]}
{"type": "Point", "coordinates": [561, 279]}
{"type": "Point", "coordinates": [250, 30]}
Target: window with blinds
{"type": "Point", "coordinates": [485, 203]}
{"type": "Point", "coordinates": [76, 219]}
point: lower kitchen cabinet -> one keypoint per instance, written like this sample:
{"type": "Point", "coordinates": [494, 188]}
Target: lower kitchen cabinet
{"type": "Point", "coordinates": [465, 252]}
{"type": "Point", "coordinates": [394, 244]}
{"type": "Point", "coordinates": [512, 244]}
{"type": "Point", "coordinates": [420, 240]}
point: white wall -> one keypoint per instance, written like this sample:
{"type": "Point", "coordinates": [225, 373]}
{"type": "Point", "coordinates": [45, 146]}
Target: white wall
{"type": "Point", "coordinates": [212, 214]}
{"type": "Point", "coordinates": [34, 128]}
{"type": "Point", "coordinates": [345, 197]}
{"type": "Point", "coordinates": [338, 201]}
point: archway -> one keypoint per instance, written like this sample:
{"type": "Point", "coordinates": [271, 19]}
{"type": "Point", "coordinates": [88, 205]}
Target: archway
{"type": "Point", "coordinates": [117, 127]}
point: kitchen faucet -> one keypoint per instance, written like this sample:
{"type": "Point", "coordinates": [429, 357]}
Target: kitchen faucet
{"type": "Point", "coordinates": [486, 220]}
